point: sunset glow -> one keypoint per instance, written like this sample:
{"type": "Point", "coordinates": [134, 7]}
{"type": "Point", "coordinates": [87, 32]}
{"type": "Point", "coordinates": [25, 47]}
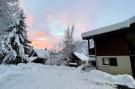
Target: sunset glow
{"type": "Point", "coordinates": [48, 19]}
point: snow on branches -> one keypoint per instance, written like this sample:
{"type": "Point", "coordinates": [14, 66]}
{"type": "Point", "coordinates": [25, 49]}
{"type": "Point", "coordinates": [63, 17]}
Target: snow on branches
{"type": "Point", "coordinates": [13, 34]}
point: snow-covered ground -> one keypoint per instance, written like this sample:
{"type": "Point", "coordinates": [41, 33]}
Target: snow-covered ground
{"type": "Point", "coordinates": [37, 76]}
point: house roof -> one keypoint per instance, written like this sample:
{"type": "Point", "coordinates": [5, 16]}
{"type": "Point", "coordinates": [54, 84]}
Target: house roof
{"type": "Point", "coordinates": [42, 53]}
{"type": "Point", "coordinates": [81, 56]}
{"type": "Point", "coordinates": [110, 28]}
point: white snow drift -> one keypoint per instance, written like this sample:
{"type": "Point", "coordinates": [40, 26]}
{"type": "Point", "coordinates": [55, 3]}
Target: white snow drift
{"type": "Point", "coordinates": [37, 76]}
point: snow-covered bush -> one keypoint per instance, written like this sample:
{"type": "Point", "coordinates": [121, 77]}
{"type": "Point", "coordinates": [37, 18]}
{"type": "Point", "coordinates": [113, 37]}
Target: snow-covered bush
{"type": "Point", "coordinates": [14, 43]}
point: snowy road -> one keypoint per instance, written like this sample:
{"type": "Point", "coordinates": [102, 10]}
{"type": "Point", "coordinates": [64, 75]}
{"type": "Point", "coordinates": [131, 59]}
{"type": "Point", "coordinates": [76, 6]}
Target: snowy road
{"type": "Point", "coordinates": [36, 76]}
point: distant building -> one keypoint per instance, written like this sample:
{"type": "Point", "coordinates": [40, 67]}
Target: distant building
{"type": "Point", "coordinates": [39, 56]}
{"type": "Point", "coordinates": [78, 59]}
{"type": "Point", "coordinates": [114, 47]}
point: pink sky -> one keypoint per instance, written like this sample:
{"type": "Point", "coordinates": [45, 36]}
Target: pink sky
{"type": "Point", "coordinates": [47, 26]}
{"type": "Point", "coordinates": [48, 19]}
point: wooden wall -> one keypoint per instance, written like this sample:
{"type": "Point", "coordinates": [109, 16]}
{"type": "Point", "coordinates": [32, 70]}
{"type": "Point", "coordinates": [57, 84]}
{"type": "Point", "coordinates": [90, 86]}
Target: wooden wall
{"type": "Point", "coordinates": [111, 45]}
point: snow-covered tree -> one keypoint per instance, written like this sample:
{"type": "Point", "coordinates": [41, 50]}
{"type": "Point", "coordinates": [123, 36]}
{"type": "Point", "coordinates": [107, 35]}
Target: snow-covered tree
{"type": "Point", "coordinates": [9, 13]}
{"type": "Point", "coordinates": [14, 43]}
{"type": "Point", "coordinates": [68, 41]}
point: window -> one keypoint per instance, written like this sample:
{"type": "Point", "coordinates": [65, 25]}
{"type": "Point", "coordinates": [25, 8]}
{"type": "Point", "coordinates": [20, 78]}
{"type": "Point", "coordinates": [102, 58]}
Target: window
{"type": "Point", "coordinates": [109, 61]}
{"type": "Point", "coordinates": [113, 61]}
{"type": "Point", "coordinates": [105, 61]}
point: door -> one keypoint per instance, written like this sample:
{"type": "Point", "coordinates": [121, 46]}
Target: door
{"type": "Point", "coordinates": [132, 59]}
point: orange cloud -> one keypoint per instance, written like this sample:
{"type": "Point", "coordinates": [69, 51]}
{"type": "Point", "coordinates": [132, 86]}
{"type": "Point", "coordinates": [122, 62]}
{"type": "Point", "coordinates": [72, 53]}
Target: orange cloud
{"type": "Point", "coordinates": [39, 33]}
{"type": "Point", "coordinates": [43, 41]}
{"type": "Point", "coordinates": [41, 44]}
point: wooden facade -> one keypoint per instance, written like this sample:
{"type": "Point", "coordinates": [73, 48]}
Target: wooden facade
{"type": "Point", "coordinates": [114, 47]}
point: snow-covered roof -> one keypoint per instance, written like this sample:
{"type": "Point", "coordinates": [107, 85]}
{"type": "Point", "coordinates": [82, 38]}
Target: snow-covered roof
{"type": "Point", "coordinates": [80, 47]}
{"type": "Point", "coordinates": [42, 53]}
{"type": "Point", "coordinates": [81, 56]}
{"type": "Point", "coordinates": [110, 28]}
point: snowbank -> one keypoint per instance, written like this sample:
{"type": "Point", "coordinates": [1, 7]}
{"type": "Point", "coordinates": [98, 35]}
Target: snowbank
{"type": "Point", "coordinates": [102, 77]}
{"type": "Point", "coordinates": [37, 76]}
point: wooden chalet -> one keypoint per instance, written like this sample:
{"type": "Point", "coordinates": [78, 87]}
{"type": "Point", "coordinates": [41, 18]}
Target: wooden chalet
{"type": "Point", "coordinates": [114, 47]}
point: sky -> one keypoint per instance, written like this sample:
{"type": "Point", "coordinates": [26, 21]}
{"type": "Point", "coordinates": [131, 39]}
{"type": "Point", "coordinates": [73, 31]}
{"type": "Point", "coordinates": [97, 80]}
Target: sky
{"type": "Point", "coordinates": [48, 19]}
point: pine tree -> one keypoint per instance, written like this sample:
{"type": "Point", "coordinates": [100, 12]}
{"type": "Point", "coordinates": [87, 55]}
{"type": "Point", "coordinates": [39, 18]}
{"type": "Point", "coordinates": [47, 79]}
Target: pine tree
{"type": "Point", "coordinates": [14, 46]}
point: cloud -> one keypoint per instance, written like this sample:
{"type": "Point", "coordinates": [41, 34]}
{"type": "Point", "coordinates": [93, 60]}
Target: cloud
{"type": "Point", "coordinates": [29, 20]}
{"type": "Point", "coordinates": [52, 31]}
{"type": "Point", "coordinates": [39, 33]}
{"type": "Point", "coordinates": [41, 40]}
{"type": "Point", "coordinates": [43, 45]}
{"type": "Point", "coordinates": [47, 20]}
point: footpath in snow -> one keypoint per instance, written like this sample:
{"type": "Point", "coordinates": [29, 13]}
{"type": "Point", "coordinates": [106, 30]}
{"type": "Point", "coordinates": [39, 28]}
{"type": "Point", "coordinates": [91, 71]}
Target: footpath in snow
{"type": "Point", "coordinates": [37, 76]}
